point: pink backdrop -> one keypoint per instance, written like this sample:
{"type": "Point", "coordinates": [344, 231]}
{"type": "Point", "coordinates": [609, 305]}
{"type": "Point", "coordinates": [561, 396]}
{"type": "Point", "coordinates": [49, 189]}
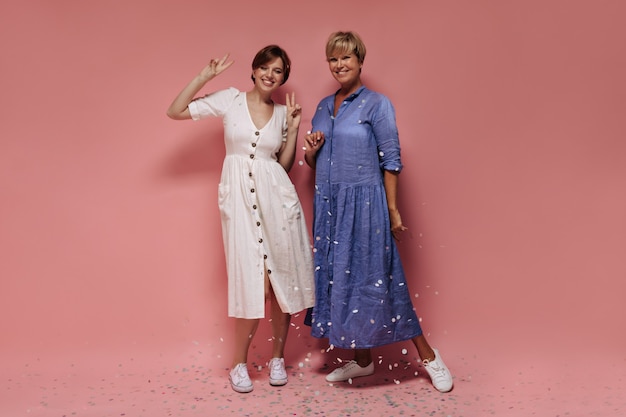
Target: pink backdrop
{"type": "Point", "coordinates": [511, 122]}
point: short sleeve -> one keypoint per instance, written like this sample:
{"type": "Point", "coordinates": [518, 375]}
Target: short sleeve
{"type": "Point", "coordinates": [214, 104]}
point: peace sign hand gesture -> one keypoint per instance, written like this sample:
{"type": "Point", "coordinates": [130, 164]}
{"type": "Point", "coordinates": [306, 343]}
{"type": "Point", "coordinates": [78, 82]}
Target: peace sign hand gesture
{"type": "Point", "coordinates": [294, 111]}
{"type": "Point", "coordinates": [215, 67]}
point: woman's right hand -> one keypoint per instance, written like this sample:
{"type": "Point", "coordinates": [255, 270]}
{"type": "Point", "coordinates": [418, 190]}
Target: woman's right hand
{"type": "Point", "coordinates": [313, 141]}
{"type": "Point", "coordinates": [215, 67]}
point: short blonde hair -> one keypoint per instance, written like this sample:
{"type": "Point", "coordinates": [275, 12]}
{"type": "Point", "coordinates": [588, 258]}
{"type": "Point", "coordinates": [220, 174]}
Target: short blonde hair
{"type": "Point", "coordinates": [348, 42]}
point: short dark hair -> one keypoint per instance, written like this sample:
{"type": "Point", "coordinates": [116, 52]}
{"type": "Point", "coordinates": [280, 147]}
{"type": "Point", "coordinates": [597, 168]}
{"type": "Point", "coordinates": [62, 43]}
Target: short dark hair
{"type": "Point", "coordinates": [269, 53]}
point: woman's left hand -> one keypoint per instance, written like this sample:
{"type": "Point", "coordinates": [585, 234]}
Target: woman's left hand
{"type": "Point", "coordinates": [396, 224]}
{"type": "Point", "coordinates": [294, 111]}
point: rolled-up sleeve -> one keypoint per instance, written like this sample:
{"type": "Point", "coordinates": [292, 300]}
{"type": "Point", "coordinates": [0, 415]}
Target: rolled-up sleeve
{"type": "Point", "coordinates": [386, 133]}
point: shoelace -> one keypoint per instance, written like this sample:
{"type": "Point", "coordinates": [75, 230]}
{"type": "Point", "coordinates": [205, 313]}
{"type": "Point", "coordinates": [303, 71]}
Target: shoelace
{"type": "Point", "coordinates": [433, 366]}
{"type": "Point", "coordinates": [241, 373]}
{"type": "Point", "coordinates": [438, 371]}
{"type": "Point", "coordinates": [276, 366]}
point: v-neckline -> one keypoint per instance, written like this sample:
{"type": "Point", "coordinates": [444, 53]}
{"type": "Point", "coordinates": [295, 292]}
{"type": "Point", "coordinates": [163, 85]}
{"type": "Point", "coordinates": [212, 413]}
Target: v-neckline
{"type": "Point", "coordinates": [250, 115]}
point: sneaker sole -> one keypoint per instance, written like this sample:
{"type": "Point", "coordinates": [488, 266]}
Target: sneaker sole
{"type": "Point", "coordinates": [241, 390]}
{"type": "Point", "coordinates": [278, 382]}
{"type": "Point", "coordinates": [347, 378]}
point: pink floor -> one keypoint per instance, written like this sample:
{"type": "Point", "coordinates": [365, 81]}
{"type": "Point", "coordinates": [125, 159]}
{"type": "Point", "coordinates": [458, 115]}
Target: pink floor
{"type": "Point", "coordinates": [190, 380]}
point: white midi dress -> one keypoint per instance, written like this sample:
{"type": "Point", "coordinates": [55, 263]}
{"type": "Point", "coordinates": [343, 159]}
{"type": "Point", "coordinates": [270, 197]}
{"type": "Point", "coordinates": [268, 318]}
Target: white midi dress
{"type": "Point", "coordinates": [263, 225]}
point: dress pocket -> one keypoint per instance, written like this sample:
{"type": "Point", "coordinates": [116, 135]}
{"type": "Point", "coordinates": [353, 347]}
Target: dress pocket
{"type": "Point", "coordinates": [224, 201]}
{"type": "Point", "coordinates": [292, 209]}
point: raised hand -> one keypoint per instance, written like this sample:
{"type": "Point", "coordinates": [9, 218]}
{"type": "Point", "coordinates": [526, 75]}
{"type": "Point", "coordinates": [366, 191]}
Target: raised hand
{"type": "Point", "coordinates": [294, 111]}
{"type": "Point", "coordinates": [215, 67]}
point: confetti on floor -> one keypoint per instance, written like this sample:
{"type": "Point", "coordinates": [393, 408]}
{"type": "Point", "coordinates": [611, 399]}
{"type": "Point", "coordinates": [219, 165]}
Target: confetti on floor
{"type": "Point", "coordinates": [184, 384]}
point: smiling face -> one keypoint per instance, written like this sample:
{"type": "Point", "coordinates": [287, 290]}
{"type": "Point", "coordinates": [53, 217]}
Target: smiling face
{"type": "Point", "coordinates": [345, 67]}
{"type": "Point", "coordinates": [345, 53]}
{"type": "Point", "coordinates": [270, 75]}
{"type": "Point", "coordinates": [269, 61]}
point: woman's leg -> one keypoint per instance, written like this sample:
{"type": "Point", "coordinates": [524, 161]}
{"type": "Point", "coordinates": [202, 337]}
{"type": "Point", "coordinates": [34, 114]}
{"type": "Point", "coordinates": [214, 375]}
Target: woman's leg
{"type": "Point", "coordinates": [280, 326]}
{"type": "Point", "coordinates": [423, 348]}
{"type": "Point", "coordinates": [363, 357]}
{"type": "Point", "coordinates": [244, 331]}
{"type": "Point", "coordinates": [433, 364]}
{"type": "Point", "coordinates": [238, 376]}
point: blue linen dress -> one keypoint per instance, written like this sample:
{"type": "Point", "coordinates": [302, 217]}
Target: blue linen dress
{"type": "Point", "coordinates": [263, 225]}
{"type": "Point", "coordinates": [362, 298]}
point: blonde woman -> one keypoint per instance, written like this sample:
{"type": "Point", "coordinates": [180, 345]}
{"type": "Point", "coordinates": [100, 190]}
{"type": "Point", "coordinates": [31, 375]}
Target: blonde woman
{"type": "Point", "coordinates": [362, 299]}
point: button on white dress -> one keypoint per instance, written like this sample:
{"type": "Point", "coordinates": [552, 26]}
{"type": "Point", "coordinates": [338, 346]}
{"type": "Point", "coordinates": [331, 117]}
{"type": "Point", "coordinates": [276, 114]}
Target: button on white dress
{"type": "Point", "coordinates": [263, 225]}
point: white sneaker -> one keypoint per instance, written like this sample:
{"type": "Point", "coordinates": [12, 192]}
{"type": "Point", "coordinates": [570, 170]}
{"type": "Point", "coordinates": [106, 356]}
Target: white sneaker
{"type": "Point", "coordinates": [239, 379]}
{"type": "Point", "coordinates": [350, 370]}
{"type": "Point", "coordinates": [278, 374]}
{"type": "Point", "coordinates": [439, 373]}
